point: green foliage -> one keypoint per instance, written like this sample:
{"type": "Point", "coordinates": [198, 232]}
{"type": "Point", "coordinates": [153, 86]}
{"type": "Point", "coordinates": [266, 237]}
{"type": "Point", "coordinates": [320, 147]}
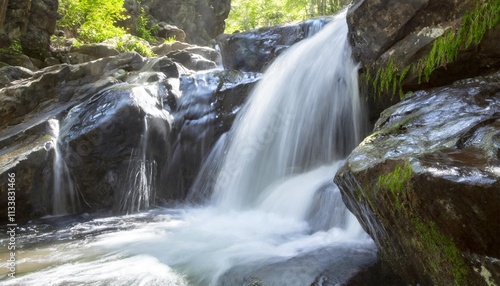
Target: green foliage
{"type": "Point", "coordinates": [92, 21]}
{"type": "Point", "coordinates": [247, 15]}
{"type": "Point", "coordinates": [442, 250]}
{"type": "Point", "coordinates": [144, 30]}
{"type": "Point", "coordinates": [14, 48]}
{"type": "Point", "coordinates": [170, 40]}
{"type": "Point", "coordinates": [129, 43]}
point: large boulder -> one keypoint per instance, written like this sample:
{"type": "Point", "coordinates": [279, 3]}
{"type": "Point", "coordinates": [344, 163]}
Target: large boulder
{"type": "Point", "coordinates": [255, 50]}
{"type": "Point", "coordinates": [395, 42]}
{"type": "Point", "coordinates": [426, 184]}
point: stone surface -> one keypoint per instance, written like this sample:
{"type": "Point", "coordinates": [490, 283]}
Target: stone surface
{"type": "Point", "coordinates": [31, 22]}
{"type": "Point", "coordinates": [425, 185]}
{"type": "Point", "coordinates": [206, 110]}
{"type": "Point", "coordinates": [118, 116]}
{"type": "Point", "coordinates": [201, 20]}
{"type": "Point", "coordinates": [403, 32]}
{"type": "Point", "coordinates": [255, 50]}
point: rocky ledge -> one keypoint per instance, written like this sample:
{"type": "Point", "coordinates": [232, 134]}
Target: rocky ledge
{"type": "Point", "coordinates": [426, 184]}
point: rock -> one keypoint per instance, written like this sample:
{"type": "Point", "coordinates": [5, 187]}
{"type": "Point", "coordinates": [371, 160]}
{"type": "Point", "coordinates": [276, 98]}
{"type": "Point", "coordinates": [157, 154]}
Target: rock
{"type": "Point", "coordinates": [96, 51]}
{"type": "Point", "coordinates": [32, 23]}
{"type": "Point", "coordinates": [30, 162]}
{"type": "Point", "coordinates": [9, 74]}
{"type": "Point", "coordinates": [201, 20]}
{"type": "Point", "coordinates": [192, 60]}
{"type": "Point", "coordinates": [166, 48]}
{"type": "Point", "coordinates": [393, 39]}
{"type": "Point", "coordinates": [167, 31]}
{"type": "Point", "coordinates": [255, 50]}
{"type": "Point", "coordinates": [118, 147]}
{"type": "Point", "coordinates": [17, 59]}
{"type": "Point", "coordinates": [425, 185]}
{"type": "Point", "coordinates": [327, 266]}
{"type": "Point", "coordinates": [206, 109]}
{"type": "Point", "coordinates": [115, 144]}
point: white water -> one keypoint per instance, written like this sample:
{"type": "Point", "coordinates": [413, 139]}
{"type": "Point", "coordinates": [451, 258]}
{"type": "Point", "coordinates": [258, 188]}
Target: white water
{"type": "Point", "coordinates": [273, 198]}
{"type": "Point", "coordinates": [65, 192]}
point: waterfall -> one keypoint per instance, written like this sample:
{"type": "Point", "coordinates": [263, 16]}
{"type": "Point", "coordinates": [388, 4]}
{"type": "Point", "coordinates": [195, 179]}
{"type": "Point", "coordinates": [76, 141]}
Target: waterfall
{"type": "Point", "coordinates": [303, 117]}
{"type": "Point", "coordinates": [64, 195]}
{"type": "Point", "coordinates": [274, 216]}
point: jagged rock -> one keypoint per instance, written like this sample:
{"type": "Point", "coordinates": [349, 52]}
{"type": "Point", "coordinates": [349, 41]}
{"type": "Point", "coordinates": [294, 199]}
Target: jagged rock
{"type": "Point", "coordinates": [255, 50]}
{"type": "Point", "coordinates": [426, 184]}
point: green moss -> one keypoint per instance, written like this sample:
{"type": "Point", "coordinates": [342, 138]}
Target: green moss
{"type": "Point", "coordinates": [475, 24]}
{"type": "Point", "coordinates": [442, 250]}
{"type": "Point", "coordinates": [396, 181]}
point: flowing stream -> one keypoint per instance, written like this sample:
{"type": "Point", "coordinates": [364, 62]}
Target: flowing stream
{"type": "Point", "coordinates": [274, 215]}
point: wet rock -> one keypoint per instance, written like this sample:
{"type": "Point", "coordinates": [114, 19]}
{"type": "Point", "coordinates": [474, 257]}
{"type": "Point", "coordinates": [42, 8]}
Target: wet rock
{"type": "Point", "coordinates": [9, 74]}
{"type": "Point", "coordinates": [114, 144]}
{"type": "Point", "coordinates": [206, 109]}
{"type": "Point", "coordinates": [425, 185]}
{"type": "Point", "coordinates": [255, 50]}
{"type": "Point", "coordinates": [336, 265]}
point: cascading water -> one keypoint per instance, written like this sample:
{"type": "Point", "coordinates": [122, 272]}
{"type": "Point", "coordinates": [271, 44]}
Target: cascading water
{"type": "Point", "coordinates": [275, 217]}
{"type": "Point", "coordinates": [64, 195]}
{"type": "Point", "coordinates": [296, 120]}
{"type": "Point", "coordinates": [140, 184]}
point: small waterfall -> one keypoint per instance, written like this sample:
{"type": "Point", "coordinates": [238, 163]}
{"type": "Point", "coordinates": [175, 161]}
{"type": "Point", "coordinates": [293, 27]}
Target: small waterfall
{"type": "Point", "coordinates": [300, 121]}
{"type": "Point", "coordinates": [65, 193]}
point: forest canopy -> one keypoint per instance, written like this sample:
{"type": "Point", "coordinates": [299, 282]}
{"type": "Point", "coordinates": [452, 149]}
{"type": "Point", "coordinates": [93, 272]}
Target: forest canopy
{"type": "Point", "coordinates": [247, 15]}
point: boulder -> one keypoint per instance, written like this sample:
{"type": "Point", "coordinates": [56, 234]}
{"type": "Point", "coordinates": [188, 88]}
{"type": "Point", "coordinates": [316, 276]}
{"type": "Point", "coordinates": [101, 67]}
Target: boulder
{"type": "Point", "coordinates": [394, 41]}
{"type": "Point", "coordinates": [167, 31]}
{"type": "Point", "coordinates": [208, 104]}
{"type": "Point", "coordinates": [255, 50]}
{"type": "Point", "coordinates": [426, 184]}
{"type": "Point", "coordinates": [192, 60]}
{"type": "Point", "coordinates": [115, 143]}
